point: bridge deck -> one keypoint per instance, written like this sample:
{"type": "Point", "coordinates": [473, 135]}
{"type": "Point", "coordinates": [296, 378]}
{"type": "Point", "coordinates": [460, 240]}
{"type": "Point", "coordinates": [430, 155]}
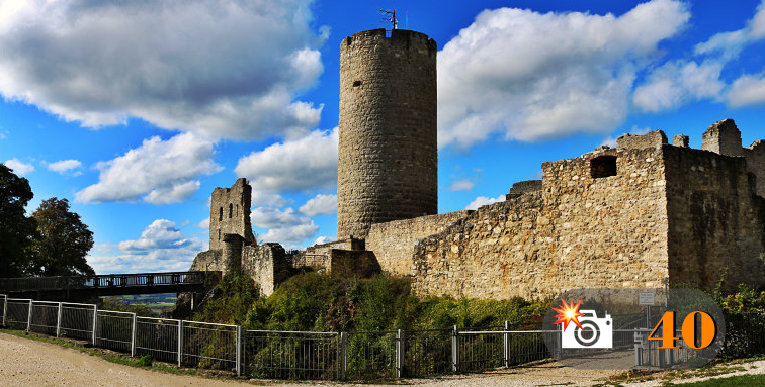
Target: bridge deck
{"type": "Point", "coordinates": [106, 285]}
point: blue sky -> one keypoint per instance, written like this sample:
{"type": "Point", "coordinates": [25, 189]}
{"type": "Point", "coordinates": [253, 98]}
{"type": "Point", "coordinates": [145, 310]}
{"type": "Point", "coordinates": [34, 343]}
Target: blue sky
{"type": "Point", "coordinates": [136, 111]}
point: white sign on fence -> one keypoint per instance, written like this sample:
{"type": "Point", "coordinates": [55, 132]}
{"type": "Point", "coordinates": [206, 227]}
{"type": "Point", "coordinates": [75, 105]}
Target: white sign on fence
{"type": "Point", "coordinates": [647, 298]}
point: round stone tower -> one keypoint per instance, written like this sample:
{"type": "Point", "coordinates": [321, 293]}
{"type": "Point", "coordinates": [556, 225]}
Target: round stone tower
{"type": "Point", "coordinates": [387, 167]}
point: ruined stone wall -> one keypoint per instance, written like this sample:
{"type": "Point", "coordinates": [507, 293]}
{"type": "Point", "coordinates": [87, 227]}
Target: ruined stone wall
{"type": "Point", "coordinates": [723, 137]}
{"type": "Point", "coordinates": [266, 264]}
{"type": "Point", "coordinates": [578, 232]}
{"type": "Point", "coordinates": [387, 160]}
{"type": "Point", "coordinates": [716, 224]}
{"type": "Point", "coordinates": [210, 260]}
{"type": "Point", "coordinates": [755, 164]}
{"type": "Point", "coordinates": [230, 214]}
{"type": "Point", "coordinates": [393, 242]}
{"type": "Point", "coordinates": [654, 139]}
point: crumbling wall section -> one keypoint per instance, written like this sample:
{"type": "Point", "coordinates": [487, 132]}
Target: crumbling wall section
{"type": "Point", "coordinates": [210, 260]}
{"type": "Point", "coordinates": [654, 139]}
{"type": "Point", "coordinates": [266, 264]}
{"type": "Point", "coordinates": [717, 224]}
{"type": "Point", "coordinates": [393, 242]}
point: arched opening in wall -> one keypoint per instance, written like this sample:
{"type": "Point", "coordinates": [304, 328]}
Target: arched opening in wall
{"type": "Point", "coordinates": [603, 166]}
{"type": "Point", "coordinates": [230, 210]}
{"type": "Point", "coordinates": [221, 214]}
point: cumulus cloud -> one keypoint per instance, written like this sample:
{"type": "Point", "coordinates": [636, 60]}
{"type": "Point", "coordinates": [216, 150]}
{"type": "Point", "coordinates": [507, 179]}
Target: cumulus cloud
{"type": "Point", "coordinates": [159, 171]}
{"type": "Point", "coordinates": [677, 83]}
{"type": "Point", "coordinates": [229, 69]}
{"type": "Point", "coordinates": [204, 224]}
{"type": "Point", "coordinates": [19, 167]}
{"type": "Point", "coordinates": [305, 163]}
{"type": "Point", "coordinates": [64, 166]}
{"type": "Point", "coordinates": [529, 75]}
{"type": "Point", "coordinates": [283, 226]}
{"type": "Point", "coordinates": [324, 239]}
{"type": "Point", "coordinates": [461, 185]}
{"type": "Point", "coordinates": [483, 200]}
{"type": "Point", "coordinates": [161, 247]}
{"type": "Point", "coordinates": [267, 199]}
{"type": "Point", "coordinates": [320, 205]}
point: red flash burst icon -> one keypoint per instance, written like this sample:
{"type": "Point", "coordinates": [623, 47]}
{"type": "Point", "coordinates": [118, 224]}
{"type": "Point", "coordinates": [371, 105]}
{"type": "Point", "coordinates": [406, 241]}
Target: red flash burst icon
{"type": "Point", "coordinates": [568, 313]}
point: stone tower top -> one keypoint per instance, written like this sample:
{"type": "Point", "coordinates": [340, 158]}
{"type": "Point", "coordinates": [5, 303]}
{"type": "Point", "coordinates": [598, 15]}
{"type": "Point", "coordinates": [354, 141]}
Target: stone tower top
{"type": "Point", "coordinates": [387, 161]}
{"type": "Point", "coordinates": [230, 214]}
{"type": "Point", "coordinates": [723, 137]}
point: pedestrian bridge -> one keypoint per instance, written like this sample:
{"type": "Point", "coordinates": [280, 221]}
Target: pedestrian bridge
{"type": "Point", "coordinates": [64, 288]}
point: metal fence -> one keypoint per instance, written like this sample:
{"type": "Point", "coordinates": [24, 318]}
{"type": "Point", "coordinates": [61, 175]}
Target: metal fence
{"type": "Point", "coordinates": [305, 355]}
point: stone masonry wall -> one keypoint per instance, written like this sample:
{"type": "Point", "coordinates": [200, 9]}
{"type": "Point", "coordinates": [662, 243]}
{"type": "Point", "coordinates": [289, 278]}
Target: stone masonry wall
{"type": "Point", "coordinates": [654, 139]}
{"type": "Point", "coordinates": [230, 214]}
{"type": "Point", "coordinates": [387, 160]}
{"type": "Point", "coordinates": [578, 232]}
{"type": "Point", "coordinates": [716, 222]}
{"type": "Point", "coordinates": [266, 264]}
{"type": "Point", "coordinates": [393, 242]}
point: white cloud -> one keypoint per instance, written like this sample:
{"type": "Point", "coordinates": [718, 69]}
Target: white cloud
{"type": "Point", "coordinates": [305, 163]}
{"type": "Point", "coordinates": [747, 91]}
{"type": "Point", "coordinates": [461, 185]}
{"type": "Point", "coordinates": [18, 167]}
{"type": "Point", "coordinates": [161, 247]}
{"type": "Point", "coordinates": [324, 239]}
{"type": "Point", "coordinates": [267, 199]}
{"type": "Point", "coordinates": [483, 200]}
{"type": "Point", "coordinates": [228, 69]}
{"type": "Point", "coordinates": [159, 171]}
{"type": "Point", "coordinates": [320, 205]}
{"type": "Point", "coordinates": [284, 226]}
{"type": "Point", "coordinates": [203, 224]}
{"type": "Point", "coordinates": [529, 75]}
{"type": "Point", "coordinates": [678, 83]}
{"type": "Point", "coordinates": [64, 166]}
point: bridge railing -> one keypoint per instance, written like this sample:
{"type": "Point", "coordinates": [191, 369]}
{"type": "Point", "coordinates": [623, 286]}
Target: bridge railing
{"type": "Point", "coordinates": [102, 281]}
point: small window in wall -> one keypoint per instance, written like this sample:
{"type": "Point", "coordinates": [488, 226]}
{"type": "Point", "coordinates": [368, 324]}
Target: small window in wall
{"type": "Point", "coordinates": [218, 234]}
{"type": "Point", "coordinates": [603, 166]}
{"type": "Point", "coordinates": [221, 214]}
{"type": "Point", "coordinates": [237, 210]}
{"type": "Point", "coordinates": [230, 210]}
{"type": "Point", "coordinates": [356, 83]}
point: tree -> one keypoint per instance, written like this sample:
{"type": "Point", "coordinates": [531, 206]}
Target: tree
{"type": "Point", "coordinates": [17, 231]}
{"type": "Point", "coordinates": [63, 243]}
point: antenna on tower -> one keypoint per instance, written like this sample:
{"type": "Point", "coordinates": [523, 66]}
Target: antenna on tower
{"type": "Point", "coordinates": [390, 16]}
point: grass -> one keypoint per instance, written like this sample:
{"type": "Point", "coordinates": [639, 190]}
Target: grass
{"type": "Point", "coordinates": [732, 381]}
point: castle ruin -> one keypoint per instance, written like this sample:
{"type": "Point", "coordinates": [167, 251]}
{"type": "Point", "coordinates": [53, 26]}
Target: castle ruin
{"type": "Point", "coordinates": [642, 215]}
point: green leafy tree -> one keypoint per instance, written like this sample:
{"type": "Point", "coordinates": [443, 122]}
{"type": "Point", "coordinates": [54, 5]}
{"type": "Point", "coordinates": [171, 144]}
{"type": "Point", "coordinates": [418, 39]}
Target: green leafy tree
{"type": "Point", "coordinates": [63, 243]}
{"type": "Point", "coordinates": [17, 231]}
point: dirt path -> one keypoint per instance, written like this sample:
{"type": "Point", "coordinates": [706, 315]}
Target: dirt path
{"type": "Point", "coordinates": [26, 362]}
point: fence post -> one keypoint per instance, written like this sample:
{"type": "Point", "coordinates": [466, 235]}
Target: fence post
{"type": "Point", "coordinates": [239, 343]}
{"type": "Point", "coordinates": [455, 349]}
{"type": "Point", "coordinates": [180, 341]}
{"type": "Point", "coordinates": [343, 355]}
{"type": "Point", "coordinates": [506, 337]}
{"type": "Point", "coordinates": [95, 316]}
{"type": "Point", "coordinates": [29, 315]}
{"type": "Point", "coordinates": [132, 341]}
{"type": "Point", "coordinates": [5, 308]}
{"type": "Point", "coordinates": [400, 348]}
{"type": "Point", "coordinates": [58, 322]}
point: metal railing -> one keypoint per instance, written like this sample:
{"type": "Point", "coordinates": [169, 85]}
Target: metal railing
{"type": "Point", "coordinates": [304, 354]}
{"type": "Point", "coordinates": [101, 281]}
